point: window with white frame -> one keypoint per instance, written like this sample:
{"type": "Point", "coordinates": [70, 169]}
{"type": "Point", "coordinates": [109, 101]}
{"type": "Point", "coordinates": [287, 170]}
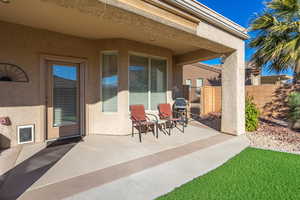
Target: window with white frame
{"type": "Point", "coordinates": [199, 82]}
{"type": "Point", "coordinates": [110, 82]}
{"type": "Point", "coordinates": [147, 81]}
{"type": "Point", "coordinates": [188, 82]}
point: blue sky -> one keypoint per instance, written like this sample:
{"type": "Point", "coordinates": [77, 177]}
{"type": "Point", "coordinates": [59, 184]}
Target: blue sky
{"type": "Point", "coordinates": [65, 72]}
{"type": "Point", "coordinates": [240, 12]}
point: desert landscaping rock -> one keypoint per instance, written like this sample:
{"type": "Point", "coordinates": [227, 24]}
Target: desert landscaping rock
{"type": "Point", "coordinates": [275, 135]}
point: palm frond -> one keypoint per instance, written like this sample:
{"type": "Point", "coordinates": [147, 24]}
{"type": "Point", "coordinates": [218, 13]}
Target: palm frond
{"type": "Point", "coordinates": [285, 27]}
{"type": "Point", "coordinates": [277, 41]}
{"type": "Point", "coordinates": [264, 21]}
{"type": "Point", "coordinates": [284, 8]}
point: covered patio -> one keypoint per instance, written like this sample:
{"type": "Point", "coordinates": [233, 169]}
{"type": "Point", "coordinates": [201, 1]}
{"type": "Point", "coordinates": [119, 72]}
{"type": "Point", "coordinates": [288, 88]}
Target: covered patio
{"type": "Point", "coordinates": [85, 63]}
{"type": "Point", "coordinates": [111, 54]}
{"type": "Point", "coordinates": [99, 162]}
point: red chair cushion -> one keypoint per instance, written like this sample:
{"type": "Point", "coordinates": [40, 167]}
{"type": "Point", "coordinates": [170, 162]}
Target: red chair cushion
{"type": "Point", "coordinates": [165, 110]}
{"type": "Point", "coordinates": [138, 112]}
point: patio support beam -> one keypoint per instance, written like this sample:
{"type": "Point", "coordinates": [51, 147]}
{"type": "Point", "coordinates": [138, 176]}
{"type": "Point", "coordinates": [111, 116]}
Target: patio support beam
{"type": "Point", "coordinates": [195, 56]}
{"type": "Point", "coordinates": [233, 93]}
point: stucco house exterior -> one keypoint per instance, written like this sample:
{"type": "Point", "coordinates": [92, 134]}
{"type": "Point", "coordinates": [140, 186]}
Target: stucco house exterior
{"type": "Point", "coordinates": [200, 74]}
{"type": "Point", "coordinates": [255, 77]}
{"type": "Point", "coordinates": [276, 79]}
{"type": "Point", "coordinates": [104, 56]}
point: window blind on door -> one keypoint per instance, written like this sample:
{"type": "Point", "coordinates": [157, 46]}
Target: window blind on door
{"type": "Point", "coordinates": [65, 95]}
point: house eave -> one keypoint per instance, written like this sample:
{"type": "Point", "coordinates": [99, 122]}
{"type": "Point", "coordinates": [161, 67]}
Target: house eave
{"type": "Point", "coordinates": [211, 16]}
{"type": "Point", "coordinates": [130, 8]}
{"type": "Point", "coordinates": [194, 10]}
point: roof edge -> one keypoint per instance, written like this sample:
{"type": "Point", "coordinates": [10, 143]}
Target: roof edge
{"type": "Point", "coordinates": [209, 15]}
{"type": "Point", "coordinates": [202, 65]}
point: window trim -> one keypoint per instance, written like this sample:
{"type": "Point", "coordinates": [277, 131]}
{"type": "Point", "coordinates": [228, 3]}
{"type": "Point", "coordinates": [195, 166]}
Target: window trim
{"type": "Point", "coordinates": [149, 57]}
{"type": "Point", "coordinates": [202, 82]}
{"type": "Point", "coordinates": [190, 80]}
{"type": "Point", "coordinates": [102, 53]}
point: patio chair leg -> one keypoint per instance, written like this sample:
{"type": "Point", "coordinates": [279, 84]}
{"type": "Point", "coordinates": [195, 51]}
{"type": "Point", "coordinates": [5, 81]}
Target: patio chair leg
{"type": "Point", "coordinates": [153, 130]}
{"type": "Point", "coordinates": [132, 131]}
{"type": "Point", "coordinates": [140, 133]}
{"type": "Point", "coordinates": [156, 131]}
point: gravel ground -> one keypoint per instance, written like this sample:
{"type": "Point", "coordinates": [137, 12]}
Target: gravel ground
{"type": "Point", "coordinates": [272, 134]}
{"type": "Point", "coordinates": [275, 135]}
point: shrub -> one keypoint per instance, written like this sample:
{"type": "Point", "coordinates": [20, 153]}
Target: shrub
{"type": "Point", "coordinates": [252, 115]}
{"type": "Point", "coordinates": [294, 105]}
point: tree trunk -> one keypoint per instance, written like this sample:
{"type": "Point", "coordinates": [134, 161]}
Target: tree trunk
{"type": "Point", "coordinates": [297, 73]}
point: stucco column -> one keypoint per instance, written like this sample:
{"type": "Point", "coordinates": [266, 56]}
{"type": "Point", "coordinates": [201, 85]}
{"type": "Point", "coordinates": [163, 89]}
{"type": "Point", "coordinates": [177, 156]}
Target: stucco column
{"type": "Point", "coordinates": [233, 93]}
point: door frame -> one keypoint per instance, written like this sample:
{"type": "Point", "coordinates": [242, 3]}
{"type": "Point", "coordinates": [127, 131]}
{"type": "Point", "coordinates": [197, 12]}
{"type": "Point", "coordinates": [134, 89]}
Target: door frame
{"type": "Point", "coordinates": [83, 64]}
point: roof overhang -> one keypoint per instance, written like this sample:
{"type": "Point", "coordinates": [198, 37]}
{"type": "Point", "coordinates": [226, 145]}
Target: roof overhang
{"type": "Point", "coordinates": [103, 19]}
{"type": "Point", "coordinates": [211, 16]}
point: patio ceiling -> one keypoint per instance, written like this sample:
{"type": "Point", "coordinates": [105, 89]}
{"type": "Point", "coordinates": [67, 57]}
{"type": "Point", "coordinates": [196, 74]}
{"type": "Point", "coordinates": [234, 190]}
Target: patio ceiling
{"type": "Point", "coordinates": [95, 20]}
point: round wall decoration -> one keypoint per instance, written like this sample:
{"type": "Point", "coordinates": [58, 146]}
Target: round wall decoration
{"type": "Point", "coordinates": [13, 73]}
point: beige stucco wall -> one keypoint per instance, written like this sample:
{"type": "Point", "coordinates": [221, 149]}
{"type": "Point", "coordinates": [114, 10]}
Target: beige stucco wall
{"type": "Point", "coordinates": [24, 103]}
{"type": "Point", "coordinates": [220, 36]}
{"type": "Point", "coordinates": [233, 93]}
{"type": "Point", "coordinates": [124, 48]}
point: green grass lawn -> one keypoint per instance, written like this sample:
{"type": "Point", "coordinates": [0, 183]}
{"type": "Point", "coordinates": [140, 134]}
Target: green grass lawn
{"type": "Point", "coordinates": [254, 174]}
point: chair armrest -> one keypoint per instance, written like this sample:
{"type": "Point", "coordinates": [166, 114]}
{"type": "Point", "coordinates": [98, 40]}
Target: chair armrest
{"type": "Point", "coordinates": [153, 115]}
{"type": "Point", "coordinates": [135, 121]}
{"type": "Point", "coordinates": [166, 117]}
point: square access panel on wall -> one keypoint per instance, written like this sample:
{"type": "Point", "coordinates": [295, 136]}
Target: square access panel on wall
{"type": "Point", "coordinates": [25, 134]}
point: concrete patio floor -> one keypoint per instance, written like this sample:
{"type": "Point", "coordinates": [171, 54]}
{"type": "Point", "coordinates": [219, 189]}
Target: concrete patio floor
{"type": "Point", "coordinates": [118, 167]}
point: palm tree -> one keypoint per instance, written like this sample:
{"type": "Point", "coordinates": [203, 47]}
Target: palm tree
{"type": "Point", "coordinates": [277, 40]}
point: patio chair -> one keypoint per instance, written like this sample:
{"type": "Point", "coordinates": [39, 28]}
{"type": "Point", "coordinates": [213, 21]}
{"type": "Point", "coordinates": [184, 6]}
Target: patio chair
{"type": "Point", "coordinates": [159, 123]}
{"type": "Point", "coordinates": [141, 120]}
{"type": "Point", "coordinates": [165, 113]}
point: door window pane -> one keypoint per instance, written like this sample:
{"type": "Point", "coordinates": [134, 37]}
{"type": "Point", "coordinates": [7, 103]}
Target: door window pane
{"type": "Point", "coordinates": [65, 95]}
{"type": "Point", "coordinates": [158, 82]}
{"type": "Point", "coordinates": [138, 81]}
{"type": "Point", "coordinates": [110, 83]}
